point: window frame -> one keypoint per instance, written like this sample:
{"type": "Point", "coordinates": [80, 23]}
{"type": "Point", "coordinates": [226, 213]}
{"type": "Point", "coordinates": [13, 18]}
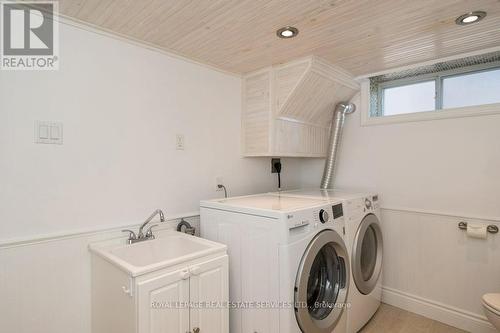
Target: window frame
{"type": "Point", "coordinates": [376, 117]}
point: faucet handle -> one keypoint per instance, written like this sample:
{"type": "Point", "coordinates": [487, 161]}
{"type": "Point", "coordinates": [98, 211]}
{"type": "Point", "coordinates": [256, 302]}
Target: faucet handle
{"type": "Point", "coordinates": [149, 231]}
{"type": "Point", "coordinates": [131, 234]}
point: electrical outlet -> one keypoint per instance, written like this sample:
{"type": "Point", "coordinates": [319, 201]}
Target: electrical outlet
{"type": "Point", "coordinates": [179, 142]}
{"type": "Point", "coordinates": [273, 161]}
{"type": "Point", "coordinates": [219, 180]}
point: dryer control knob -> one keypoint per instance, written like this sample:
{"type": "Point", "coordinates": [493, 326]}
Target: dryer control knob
{"type": "Point", "coordinates": [323, 216]}
{"type": "Point", "coordinates": [368, 203]}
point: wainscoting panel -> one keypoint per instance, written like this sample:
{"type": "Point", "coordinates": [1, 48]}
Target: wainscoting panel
{"type": "Point", "coordinates": [432, 268]}
{"type": "Point", "coordinates": [45, 283]}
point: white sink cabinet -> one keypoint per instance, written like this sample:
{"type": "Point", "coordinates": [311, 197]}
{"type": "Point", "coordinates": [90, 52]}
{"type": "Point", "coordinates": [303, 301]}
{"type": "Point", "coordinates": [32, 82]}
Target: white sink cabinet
{"type": "Point", "coordinates": [141, 289]}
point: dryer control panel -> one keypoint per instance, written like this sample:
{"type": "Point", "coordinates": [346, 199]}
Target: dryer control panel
{"type": "Point", "coordinates": [371, 203]}
{"type": "Point", "coordinates": [357, 208]}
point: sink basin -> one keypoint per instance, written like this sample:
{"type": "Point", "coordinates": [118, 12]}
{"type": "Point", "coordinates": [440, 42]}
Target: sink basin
{"type": "Point", "coordinates": [158, 250]}
{"type": "Point", "coordinates": [168, 249]}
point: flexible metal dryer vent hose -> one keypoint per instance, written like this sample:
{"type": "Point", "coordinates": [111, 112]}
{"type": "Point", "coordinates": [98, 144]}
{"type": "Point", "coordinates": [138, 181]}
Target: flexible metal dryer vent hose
{"type": "Point", "coordinates": [339, 114]}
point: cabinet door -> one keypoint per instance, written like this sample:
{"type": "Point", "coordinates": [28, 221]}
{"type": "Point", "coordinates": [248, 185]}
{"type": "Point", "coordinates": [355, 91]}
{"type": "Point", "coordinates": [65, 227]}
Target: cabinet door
{"type": "Point", "coordinates": [209, 291]}
{"type": "Point", "coordinates": [163, 303]}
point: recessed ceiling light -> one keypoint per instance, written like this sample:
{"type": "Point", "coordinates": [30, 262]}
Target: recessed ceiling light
{"type": "Point", "coordinates": [470, 18]}
{"type": "Point", "coordinates": [287, 32]}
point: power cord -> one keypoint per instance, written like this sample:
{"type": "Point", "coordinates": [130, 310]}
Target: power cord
{"type": "Point", "coordinates": [277, 166]}
{"type": "Point", "coordinates": [223, 187]}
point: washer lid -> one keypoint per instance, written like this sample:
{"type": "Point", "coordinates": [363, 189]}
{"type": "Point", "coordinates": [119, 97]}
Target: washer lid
{"type": "Point", "coordinates": [492, 300]}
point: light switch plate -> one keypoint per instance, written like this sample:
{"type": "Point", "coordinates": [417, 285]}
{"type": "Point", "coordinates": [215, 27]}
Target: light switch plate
{"type": "Point", "coordinates": [49, 132]}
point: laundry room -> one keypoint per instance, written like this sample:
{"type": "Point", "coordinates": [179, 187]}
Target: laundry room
{"type": "Point", "coordinates": [216, 166]}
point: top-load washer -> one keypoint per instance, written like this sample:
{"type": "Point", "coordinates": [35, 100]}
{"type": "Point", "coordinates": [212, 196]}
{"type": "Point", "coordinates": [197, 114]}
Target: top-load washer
{"type": "Point", "coordinates": [365, 244]}
{"type": "Point", "coordinates": [288, 262]}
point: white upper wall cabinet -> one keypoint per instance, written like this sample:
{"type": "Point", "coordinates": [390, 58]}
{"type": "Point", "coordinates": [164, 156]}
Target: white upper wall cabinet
{"type": "Point", "coordinates": [287, 109]}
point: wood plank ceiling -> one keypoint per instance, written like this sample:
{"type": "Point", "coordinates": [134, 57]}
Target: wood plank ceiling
{"type": "Point", "coordinates": [362, 36]}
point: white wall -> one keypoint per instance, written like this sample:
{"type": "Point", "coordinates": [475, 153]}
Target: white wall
{"type": "Point", "coordinates": [430, 175]}
{"type": "Point", "coordinates": [122, 106]}
{"type": "Point", "coordinates": [447, 166]}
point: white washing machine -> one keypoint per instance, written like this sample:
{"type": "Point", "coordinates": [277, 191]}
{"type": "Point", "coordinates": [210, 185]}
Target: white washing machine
{"type": "Point", "coordinates": [365, 244]}
{"type": "Point", "coordinates": [288, 262]}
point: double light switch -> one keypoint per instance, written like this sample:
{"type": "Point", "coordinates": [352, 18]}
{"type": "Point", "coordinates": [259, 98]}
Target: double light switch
{"type": "Point", "coordinates": [49, 132]}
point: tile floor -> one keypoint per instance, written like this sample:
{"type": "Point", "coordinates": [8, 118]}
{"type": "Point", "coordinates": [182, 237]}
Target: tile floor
{"type": "Point", "coordinates": [390, 319]}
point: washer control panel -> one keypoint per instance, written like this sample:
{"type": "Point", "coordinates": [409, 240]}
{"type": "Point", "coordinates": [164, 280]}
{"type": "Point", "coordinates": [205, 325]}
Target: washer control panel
{"type": "Point", "coordinates": [323, 215]}
{"type": "Point", "coordinates": [329, 214]}
{"type": "Point", "coordinates": [338, 211]}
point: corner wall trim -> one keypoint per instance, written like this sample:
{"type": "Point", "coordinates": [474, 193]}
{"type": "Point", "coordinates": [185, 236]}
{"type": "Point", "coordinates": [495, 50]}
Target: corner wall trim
{"type": "Point", "coordinates": [449, 315]}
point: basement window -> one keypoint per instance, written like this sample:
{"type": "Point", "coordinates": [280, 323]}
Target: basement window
{"type": "Point", "coordinates": [408, 98]}
{"type": "Point", "coordinates": [473, 88]}
{"type": "Point", "coordinates": [463, 86]}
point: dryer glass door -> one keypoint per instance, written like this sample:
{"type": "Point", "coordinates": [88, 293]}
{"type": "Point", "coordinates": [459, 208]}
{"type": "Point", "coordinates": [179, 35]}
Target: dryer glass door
{"type": "Point", "coordinates": [367, 254]}
{"type": "Point", "coordinates": [321, 285]}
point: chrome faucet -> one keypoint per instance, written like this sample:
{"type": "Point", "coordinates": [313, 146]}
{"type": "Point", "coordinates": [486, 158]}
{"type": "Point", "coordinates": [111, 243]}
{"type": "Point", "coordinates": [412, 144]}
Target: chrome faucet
{"type": "Point", "coordinates": [141, 236]}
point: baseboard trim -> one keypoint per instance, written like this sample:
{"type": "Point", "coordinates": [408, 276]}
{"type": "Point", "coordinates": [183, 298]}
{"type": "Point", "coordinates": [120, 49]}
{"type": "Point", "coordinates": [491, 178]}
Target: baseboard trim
{"type": "Point", "coordinates": [449, 315]}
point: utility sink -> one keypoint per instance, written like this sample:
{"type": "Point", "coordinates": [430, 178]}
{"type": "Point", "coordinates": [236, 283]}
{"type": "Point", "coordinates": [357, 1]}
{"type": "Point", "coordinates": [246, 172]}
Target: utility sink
{"type": "Point", "coordinates": [168, 249]}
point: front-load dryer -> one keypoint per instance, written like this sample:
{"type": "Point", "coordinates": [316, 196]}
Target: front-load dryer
{"type": "Point", "coordinates": [364, 235]}
{"type": "Point", "coordinates": [288, 262]}
{"type": "Point", "coordinates": [365, 245]}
